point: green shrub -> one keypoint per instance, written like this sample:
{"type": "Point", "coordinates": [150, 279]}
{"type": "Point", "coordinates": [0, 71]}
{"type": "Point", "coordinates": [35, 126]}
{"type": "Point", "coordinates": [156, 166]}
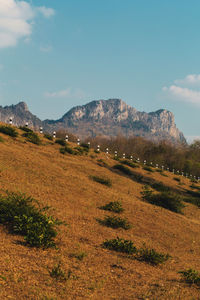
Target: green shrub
{"type": "Point", "coordinates": [134, 176]}
{"type": "Point", "coordinates": [151, 256]}
{"type": "Point", "coordinates": [192, 200]}
{"type": "Point", "coordinates": [48, 136]}
{"type": "Point", "coordinates": [146, 192]}
{"type": "Point", "coordinates": [19, 215]}
{"type": "Point", "coordinates": [67, 149]}
{"type": "Point", "coordinates": [193, 186]}
{"type": "Point", "coordinates": [177, 179]}
{"type": "Point", "coordinates": [1, 139]}
{"type": "Point", "coordinates": [147, 168]}
{"type": "Point", "coordinates": [120, 245]}
{"type": "Point", "coordinates": [58, 273]}
{"type": "Point", "coordinates": [32, 137]}
{"type": "Point", "coordinates": [102, 163]}
{"type": "Point", "coordinates": [115, 222]}
{"type": "Point", "coordinates": [191, 276]}
{"type": "Point", "coordinates": [102, 180]}
{"type": "Point", "coordinates": [123, 169]}
{"type": "Point", "coordinates": [159, 170]}
{"type": "Point", "coordinates": [25, 128]}
{"type": "Point", "coordinates": [159, 186]}
{"type": "Point", "coordinates": [114, 206]}
{"type": "Point", "coordinates": [128, 163]}
{"type": "Point", "coordinates": [79, 150]}
{"type": "Point", "coordinates": [8, 130]}
{"type": "Point", "coordinates": [61, 142]}
{"type": "Point", "coordinates": [85, 147]}
{"type": "Point", "coordinates": [167, 200]}
{"type": "Point", "coordinates": [96, 151]}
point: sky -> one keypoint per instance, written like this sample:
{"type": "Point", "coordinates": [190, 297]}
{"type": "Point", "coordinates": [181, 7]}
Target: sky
{"type": "Point", "coordinates": [57, 54]}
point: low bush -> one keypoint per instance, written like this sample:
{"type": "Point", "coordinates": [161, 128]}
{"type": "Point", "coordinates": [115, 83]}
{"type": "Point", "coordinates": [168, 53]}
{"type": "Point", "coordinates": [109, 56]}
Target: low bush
{"type": "Point", "coordinates": [8, 130]}
{"type": "Point", "coordinates": [1, 139]}
{"type": "Point", "coordinates": [147, 168]}
{"type": "Point", "coordinates": [61, 142]}
{"type": "Point", "coordinates": [67, 149]}
{"type": "Point", "coordinates": [48, 136]}
{"type": "Point", "coordinates": [102, 163]}
{"type": "Point", "coordinates": [102, 180]}
{"type": "Point", "coordinates": [134, 176]}
{"type": "Point", "coordinates": [151, 256]}
{"type": "Point", "coordinates": [167, 200]}
{"type": "Point", "coordinates": [159, 186]}
{"type": "Point", "coordinates": [25, 128]}
{"type": "Point", "coordinates": [128, 163]}
{"type": "Point", "coordinates": [114, 206]}
{"type": "Point", "coordinates": [79, 150]}
{"type": "Point", "coordinates": [97, 152]}
{"type": "Point", "coordinates": [192, 200]}
{"type": "Point", "coordinates": [85, 147]}
{"type": "Point", "coordinates": [177, 179]}
{"type": "Point", "coordinates": [193, 186]}
{"type": "Point", "coordinates": [191, 276]}
{"type": "Point", "coordinates": [32, 137]}
{"type": "Point", "coordinates": [115, 222]}
{"type": "Point", "coordinates": [58, 273]}
{"type": "Point", "coordinates": [20, 216]}
{"type": "Point", "coordinates": [123, 169]}
{"type": "Point", "coordinates": [120, 245]}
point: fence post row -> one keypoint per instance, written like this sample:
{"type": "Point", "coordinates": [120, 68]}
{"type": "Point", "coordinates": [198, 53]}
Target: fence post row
{"type": "Point", "coordinates": [115, 153]}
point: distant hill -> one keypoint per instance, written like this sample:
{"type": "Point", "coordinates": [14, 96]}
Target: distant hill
{"type": "Point", "coordinates": [103, 117]}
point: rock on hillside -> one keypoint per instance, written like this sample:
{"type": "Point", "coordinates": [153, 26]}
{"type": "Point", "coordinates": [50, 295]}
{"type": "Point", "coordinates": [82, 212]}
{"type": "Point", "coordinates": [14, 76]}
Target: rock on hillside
{"type": "Point", "coordinates": [104, 117]}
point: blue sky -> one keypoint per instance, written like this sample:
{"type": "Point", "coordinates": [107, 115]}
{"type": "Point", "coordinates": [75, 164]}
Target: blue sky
{"type": "Point", "coordinates": [58, 54]}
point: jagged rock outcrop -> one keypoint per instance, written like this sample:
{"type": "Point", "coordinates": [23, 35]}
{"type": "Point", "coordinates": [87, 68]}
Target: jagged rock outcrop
{"type": "Point", "coordinates": [20, 115]}
{"type": "Point", "coordinates": [103, 117]}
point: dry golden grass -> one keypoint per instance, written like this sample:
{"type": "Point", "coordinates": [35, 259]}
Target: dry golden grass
{"type": "Point", "coordinates": [62, 181]}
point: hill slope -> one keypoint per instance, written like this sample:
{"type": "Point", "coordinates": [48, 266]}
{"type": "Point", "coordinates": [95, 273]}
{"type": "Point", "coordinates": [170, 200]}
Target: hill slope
{"type": "Point", "coordinates": [64, 183]}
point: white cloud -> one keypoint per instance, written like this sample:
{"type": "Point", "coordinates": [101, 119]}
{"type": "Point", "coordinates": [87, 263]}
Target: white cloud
{"type": "Point", "coordinates": [183, 94]}
{"type": "Point", "coordinates": [191, 79]}
{"type": "Point", "coordinates": [46, 12]}
{"type": "Point", "coordinates": [66, 93]}
{"type": "Point", "coordinates": [16, 21]}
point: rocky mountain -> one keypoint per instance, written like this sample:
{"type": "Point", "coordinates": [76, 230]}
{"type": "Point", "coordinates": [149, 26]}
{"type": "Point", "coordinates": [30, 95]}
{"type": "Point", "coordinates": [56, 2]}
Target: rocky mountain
{"type": "Point", "coordinates": [103, 117]}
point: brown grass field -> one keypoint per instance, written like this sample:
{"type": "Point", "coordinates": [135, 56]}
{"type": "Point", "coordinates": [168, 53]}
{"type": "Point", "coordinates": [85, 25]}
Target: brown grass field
{"type": "Point", "coordinates": [63, 182]}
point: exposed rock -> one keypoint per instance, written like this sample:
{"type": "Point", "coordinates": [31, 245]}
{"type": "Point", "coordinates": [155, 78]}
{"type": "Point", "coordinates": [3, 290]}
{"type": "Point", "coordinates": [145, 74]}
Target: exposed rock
{"type": "Point", "coordinates": [104, 117]}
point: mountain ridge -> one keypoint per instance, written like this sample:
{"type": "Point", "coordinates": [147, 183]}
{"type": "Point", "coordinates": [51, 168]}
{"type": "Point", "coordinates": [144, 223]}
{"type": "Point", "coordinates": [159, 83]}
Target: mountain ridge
{"type": "Point", "coordinates": [110, 117]}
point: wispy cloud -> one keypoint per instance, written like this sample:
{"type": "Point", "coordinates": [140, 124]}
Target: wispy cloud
{"type": "Point", "coordinates": [186, 89]}
{"type": "Point", "coordinates": [16, 20]}
{"type": "Point", "coordinates": [46, 12]}
{"type": "Point", "coordinates": [189, 80]}
{"type": "Point", "coordinates": [66, 93]}
{"type": "Point", "coordinates": [184, 94]}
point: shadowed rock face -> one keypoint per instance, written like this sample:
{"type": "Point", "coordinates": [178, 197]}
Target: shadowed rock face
{"type": "Point", "coordinates": [104, 117]}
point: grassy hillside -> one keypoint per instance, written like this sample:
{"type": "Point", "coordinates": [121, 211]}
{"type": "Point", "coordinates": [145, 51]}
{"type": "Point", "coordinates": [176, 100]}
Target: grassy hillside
{"type": "Point", "coordinates": [70, 185]}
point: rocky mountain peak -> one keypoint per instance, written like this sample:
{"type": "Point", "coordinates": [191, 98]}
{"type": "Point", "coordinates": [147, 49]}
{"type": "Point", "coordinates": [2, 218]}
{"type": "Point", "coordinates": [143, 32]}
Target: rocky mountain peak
{"type": "Point", "coordinates": [102, 117]}
{"type": "Point", "coordinates": [22, 105]}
